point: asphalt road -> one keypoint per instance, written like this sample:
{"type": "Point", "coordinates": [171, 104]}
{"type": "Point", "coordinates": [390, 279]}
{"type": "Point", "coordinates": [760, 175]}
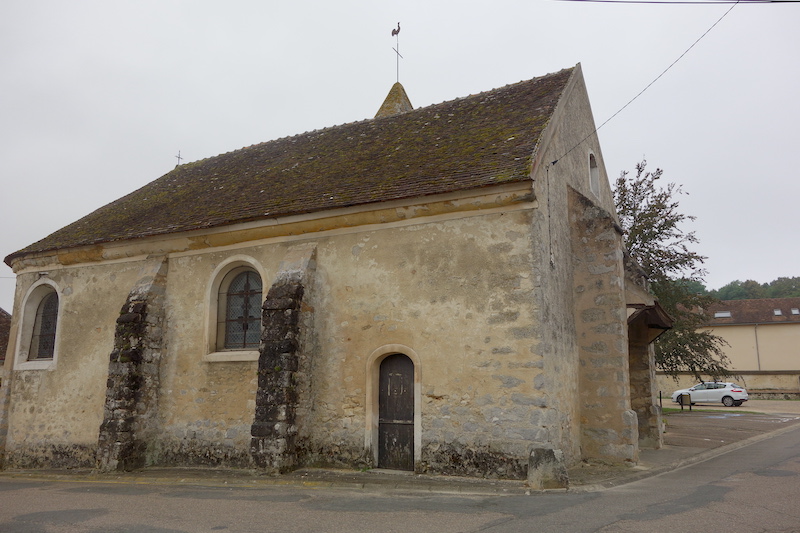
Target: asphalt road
{"type": "Point", "coordinates": [752, 489]}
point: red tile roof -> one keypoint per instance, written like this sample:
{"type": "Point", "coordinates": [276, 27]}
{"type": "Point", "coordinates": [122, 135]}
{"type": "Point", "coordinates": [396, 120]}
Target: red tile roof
{"type": "Point", "coordinates": [760, 311]}
{"type": "Point", "coordinates": [477, 141]}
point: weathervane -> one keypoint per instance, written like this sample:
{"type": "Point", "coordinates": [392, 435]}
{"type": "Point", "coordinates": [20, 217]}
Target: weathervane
{"type": "Point", "coordinates": [396, 33]}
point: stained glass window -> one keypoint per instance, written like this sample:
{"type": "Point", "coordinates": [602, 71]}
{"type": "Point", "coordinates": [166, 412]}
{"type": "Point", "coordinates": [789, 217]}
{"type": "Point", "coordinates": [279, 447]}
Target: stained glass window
{"type": "Point", "coordinates": [243, 311]}
{"type": "Point", "coordinates": [43, 340]}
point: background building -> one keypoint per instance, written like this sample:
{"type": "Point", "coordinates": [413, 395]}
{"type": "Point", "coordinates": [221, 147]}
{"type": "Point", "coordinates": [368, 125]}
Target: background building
{"type": "Point", "coordinates": [763, 345]}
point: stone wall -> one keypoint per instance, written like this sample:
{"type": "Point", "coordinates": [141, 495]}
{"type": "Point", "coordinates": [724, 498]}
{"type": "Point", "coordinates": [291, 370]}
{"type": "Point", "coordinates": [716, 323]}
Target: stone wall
{"type": "Point", "coordinates": [562, 168]}
{"type": "Point", "coordinates": [464, 303]}
{"type": "Point", "coordinates": [642, 375]}
{"type": "Point", "coordinates": [54, 414]}
{"type": "Point", "coordinates": [5, 335]}
{"type": "Point", "coordinates": [609, 426]}
{"type": "Point", "coordinates": [130, 416]}
{"type": "Point", "coordinates": [285, 339]}
{"type": "Point", "coordinates": [5, 331]}
{"type": "Point", "coordinates": [459, 293]}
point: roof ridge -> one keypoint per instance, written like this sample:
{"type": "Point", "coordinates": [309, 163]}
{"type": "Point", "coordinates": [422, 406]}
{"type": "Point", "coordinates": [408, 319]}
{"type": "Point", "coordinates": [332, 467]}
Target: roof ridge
{"type": "Point", "coordinates": [495, 89]}
{"type": "Point", "coordinates": [376, 118]}
{"type": "Point", "coordinates": [760, 299]}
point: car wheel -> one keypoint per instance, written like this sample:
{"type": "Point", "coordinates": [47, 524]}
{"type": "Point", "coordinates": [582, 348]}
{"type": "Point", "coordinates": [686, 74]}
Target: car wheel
{"type": "Point", "coordinates": [737, 403]}
{"type": "Point", "coordinates": [727, 401]}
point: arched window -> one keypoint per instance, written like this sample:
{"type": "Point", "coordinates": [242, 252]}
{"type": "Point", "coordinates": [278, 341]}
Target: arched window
{"type": "Point", "coordinates": [43, 339]}
{"type": "Point", "coordinates": [37, 341]}
{"type": "Point", "coordinates": [239, 310]}
{"type": "Point", "coordinates": [594, 176]}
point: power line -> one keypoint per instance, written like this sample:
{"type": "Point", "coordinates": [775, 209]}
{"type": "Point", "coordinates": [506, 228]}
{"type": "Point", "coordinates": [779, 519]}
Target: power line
{"type": "Point", "coordinates": [684, 2]}
{"type": "Point", "coordinates": [657, 77]}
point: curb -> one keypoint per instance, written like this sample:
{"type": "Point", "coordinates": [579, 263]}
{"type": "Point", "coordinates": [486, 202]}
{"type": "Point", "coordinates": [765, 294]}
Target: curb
{"type": "Point", "coordinates": [379, 481]}
{"type": "Point", "coordinates": [243, 480]}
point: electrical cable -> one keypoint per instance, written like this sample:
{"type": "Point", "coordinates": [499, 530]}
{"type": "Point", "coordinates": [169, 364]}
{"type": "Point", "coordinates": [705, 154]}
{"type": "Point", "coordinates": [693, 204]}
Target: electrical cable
{"type": "Point", "coordinates": [649, 84]}
{"type": "Point", "coordinates": [684, 2]}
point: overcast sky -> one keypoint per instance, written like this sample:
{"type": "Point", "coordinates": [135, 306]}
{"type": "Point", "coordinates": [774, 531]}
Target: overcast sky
{"type": "Point", "coordinates": [98, 97]}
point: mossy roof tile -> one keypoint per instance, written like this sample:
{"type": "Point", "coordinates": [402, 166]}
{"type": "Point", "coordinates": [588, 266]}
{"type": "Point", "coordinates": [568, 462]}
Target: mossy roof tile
{"type": "Point", "coordinates": [759, 311]}
{"type": "Point", "coordinates": [476, 141]}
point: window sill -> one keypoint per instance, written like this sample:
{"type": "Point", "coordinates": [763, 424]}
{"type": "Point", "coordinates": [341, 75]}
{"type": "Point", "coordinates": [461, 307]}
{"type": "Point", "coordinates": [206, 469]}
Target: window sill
{"type": "Point", "coordinates": [45, 364]}
{"type": "Point", "coordinates": [230, 356]}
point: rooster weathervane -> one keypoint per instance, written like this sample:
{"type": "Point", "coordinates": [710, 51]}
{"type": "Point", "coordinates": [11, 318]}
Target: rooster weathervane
{"type": "Point", "coordinates": [396, 34]}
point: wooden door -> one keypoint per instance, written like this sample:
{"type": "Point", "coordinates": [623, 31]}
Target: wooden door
{"type": "Point", "coordinates": [396, 413]}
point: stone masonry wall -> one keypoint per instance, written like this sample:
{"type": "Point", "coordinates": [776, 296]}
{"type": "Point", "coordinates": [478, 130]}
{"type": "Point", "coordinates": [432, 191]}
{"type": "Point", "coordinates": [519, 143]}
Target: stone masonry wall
{"type": "Point", "coordinates": [5, 331]}
{"type": "Point", "coordinates": [458, 294]}
{"type": "Point", "coordinates": [642, 374]}
{"type": "Point", "coordinates": [609, 429]}
{"type": "Point", "coordinates": [131, 406]}
{"type": "Point", "coordinates": [274, 429]}
{"type": "Point", "coordinates": [273, 445]}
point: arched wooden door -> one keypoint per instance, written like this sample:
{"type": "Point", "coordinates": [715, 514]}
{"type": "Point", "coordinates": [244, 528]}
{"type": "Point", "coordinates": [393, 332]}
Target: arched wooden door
{"type": "Point", "coordinates": [396, 413]}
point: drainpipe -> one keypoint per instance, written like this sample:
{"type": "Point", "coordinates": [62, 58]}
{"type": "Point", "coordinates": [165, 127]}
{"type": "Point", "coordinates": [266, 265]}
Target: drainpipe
{"type": "Point", "coordinates": [758, 352]}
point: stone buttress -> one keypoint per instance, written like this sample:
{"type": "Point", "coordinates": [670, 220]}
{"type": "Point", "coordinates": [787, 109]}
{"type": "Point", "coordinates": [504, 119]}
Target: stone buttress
{"type": "Point", "coordinates": [273, 445]}
{"type": "Point", "coordinates": [609, 429]}
{"type": "Point", "coordinates": [131, 404]}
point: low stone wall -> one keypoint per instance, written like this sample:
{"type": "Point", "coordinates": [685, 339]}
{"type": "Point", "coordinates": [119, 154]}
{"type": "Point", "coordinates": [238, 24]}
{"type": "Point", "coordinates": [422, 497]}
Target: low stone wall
{"type": "Point", "coordinates": [773, 394]}
{"type": "Point", "coordinates": [760, 385]}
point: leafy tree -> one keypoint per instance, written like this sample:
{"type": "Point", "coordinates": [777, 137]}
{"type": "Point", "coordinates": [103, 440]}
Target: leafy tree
{"type": "Point", "coordinates": [784, 288]}
{"type": "Point", "coordinates": [651, 222]}
{"type": "Point", "coordinates": [754, 289]}
{"type": "Point", "coordinates": [694, 285]}
{"type": "Point", "coordinates": [731, 291]}
{"type": "Point", "coordinates": [749, 290]}
{"type": "Point", "coordinates": [741, 290]}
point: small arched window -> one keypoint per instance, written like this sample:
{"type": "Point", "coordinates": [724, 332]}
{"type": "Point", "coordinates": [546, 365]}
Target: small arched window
{"type": "Point", "coordinates": [594, 176]}
{"type": "Point", "coordinates": [239, 310]}
{"type": "Point", "coordinates": [37, 340]}
{"type": "Point", "coordinates": [43, 339]}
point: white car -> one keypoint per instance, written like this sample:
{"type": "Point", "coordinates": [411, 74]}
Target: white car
{"type": "Point", "coordinates": [730, 394]}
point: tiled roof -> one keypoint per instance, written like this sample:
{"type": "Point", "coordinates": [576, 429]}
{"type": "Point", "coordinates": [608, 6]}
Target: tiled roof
{"type": "Point", "coordinates": [472, 142]}
{"type": "Point", "coordinates": [762, 311]}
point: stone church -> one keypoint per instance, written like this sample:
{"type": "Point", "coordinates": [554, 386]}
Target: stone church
{"type": "Point", "coordinates": [440, 290]}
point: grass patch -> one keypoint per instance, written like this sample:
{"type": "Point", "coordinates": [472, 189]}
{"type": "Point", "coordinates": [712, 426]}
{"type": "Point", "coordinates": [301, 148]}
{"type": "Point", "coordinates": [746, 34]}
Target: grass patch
{"type": "Point", "coordinates": [671, 410]}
